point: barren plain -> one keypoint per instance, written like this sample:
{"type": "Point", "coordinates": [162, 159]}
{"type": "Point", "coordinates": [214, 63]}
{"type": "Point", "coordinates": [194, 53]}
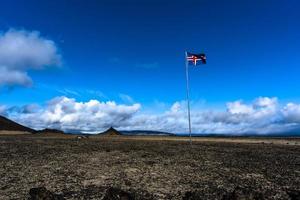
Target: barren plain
{"type": "Point", "coordinates": [150, 167]}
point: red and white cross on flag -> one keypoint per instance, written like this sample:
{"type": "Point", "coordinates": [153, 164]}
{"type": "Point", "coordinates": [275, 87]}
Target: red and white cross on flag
{"type": "Point", "coordinates": [196, 59]}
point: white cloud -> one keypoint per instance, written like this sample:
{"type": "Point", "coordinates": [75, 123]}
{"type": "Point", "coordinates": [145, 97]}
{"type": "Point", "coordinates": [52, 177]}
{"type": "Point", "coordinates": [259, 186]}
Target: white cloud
{"type": "Point", "coordinates": [263, 115]}
{"type": "Point", "coordinates": [14, 77]}
{"type": "Point", "coordinates": [238, 107]}
{"type": "Point", "coordinates": [175, 107]}
{"type": "Point", "coordinates": [68, 114]}
{"type": "Point", "coordinates": [21, 51]}
{"type": "Point", "coordinates": [291, 113]}
{"type": "Point", "coordinates": [266, 102]}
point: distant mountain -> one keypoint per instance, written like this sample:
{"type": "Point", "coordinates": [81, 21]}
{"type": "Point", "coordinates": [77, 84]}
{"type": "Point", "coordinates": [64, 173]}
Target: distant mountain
{"type": "Point", "coordinates": [9, 125]}
{"type": "Point", "coordinates": [111, 131]}
{"type": "Point", "coordinates": [146, 132]}
{"type": "Point", "coordinates": [48, 130]}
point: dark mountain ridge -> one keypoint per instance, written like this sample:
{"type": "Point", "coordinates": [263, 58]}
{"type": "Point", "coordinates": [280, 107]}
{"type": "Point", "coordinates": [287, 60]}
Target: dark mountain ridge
{"type": "Point", "coordinates": [48, 130]}
{"type": "Point", "coordinates": [9, 125]}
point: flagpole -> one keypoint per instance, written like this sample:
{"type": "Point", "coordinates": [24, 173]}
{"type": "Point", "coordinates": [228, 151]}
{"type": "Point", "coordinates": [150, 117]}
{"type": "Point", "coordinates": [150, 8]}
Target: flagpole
{"type": "Point", "coordinates": [188, 95]}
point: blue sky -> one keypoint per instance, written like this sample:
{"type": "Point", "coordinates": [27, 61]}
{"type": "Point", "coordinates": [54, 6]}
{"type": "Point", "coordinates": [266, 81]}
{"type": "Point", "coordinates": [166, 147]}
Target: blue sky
{"type": "Point", "coordinates": [133, 51]}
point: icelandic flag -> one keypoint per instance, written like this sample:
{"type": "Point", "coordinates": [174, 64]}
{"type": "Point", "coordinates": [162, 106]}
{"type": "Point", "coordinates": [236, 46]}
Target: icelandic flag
{"type": "Point", "coordinates": [196, 59]}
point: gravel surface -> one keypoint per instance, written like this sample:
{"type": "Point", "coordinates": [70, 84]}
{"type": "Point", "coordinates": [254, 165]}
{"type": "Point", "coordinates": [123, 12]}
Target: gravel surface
{"type": "Point", "coordinates": [107, 168]}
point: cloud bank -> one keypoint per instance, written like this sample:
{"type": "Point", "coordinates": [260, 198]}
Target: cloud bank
{"type": "Point", "coordinates": [262, 116]}
{"type": "Point", "coordinates": [21, 51]}
{"type": "Point", "coordinates": [69, 115]}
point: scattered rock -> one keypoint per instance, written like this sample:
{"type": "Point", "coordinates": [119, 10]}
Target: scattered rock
{"type": "Point", "coordinates": [41, 193]}
{"type": "Point", "coordinates": [209, 170]}
{"type": "Point", "coordinates": [117, 194]}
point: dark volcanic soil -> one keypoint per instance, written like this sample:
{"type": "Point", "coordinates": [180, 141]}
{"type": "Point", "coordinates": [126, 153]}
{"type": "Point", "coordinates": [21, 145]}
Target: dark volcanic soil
{"type": "Point", "coordinates": [104, 168]}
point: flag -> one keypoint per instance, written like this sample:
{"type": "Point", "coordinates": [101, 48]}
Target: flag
{"type": "Point", "coordinates": [196, 59]}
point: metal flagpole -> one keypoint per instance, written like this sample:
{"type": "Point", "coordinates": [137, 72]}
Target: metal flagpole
{"type": "Point", "coordinates": [188, 95]}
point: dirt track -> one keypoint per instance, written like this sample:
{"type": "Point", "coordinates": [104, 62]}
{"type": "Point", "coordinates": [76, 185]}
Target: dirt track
{"type": "Point", "coordinates": [149, 169]}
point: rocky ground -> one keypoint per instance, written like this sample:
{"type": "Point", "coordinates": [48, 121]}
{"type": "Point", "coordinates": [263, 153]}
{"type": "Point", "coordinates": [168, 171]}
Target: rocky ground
{"type": "Point", "coordinates": [112, 168]}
